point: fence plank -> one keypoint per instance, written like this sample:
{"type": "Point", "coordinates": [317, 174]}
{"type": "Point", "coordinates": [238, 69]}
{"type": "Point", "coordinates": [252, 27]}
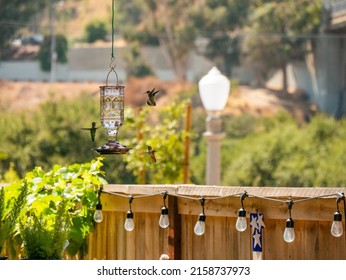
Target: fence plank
{"type": "Point", "coordinates": [174, 230]}
{"type": "Point", "coordinates": [221, 240]}
{"type": "Point", "coordinates": [120, 236]}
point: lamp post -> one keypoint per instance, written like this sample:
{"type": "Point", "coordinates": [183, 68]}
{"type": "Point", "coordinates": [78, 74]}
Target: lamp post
{"type": "Point", "coordinates": [214, 90]}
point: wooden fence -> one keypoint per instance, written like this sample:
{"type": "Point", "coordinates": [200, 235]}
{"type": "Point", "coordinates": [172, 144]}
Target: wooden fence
{"type": "Point", "coordinates": [312, 212]}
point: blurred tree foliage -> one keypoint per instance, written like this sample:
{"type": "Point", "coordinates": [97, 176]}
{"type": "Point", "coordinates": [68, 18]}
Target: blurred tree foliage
{"type": "Point", "coordinates": [49, 135]}
{"type": "Point", "coordinates": [278, 32]}
{"type": "Point", "coordinates": [14, 14]}
{"type": "Point", "coordinates": [136, 65]}
{"type": "Point", "coordinates": [96, 30]}
{"type": "Point", "coordinates": [169, 23]}
{"type": "Point", "coordinates": [61, 48]}
{"type": "Point", "coordinates": [271, 151]}
{"type": "Point", "coordinates": [52, 135]}
{"type": "Point", "coordinates": [220, 21]}
{"type": "Point", "coordinates": [275, 151]}
{"type": "Point", "coordinates": [269, 32]}
{"type": "Point", "coordinates": [175, 26]}
{"type": "Point", "coordinates": [165, 137]}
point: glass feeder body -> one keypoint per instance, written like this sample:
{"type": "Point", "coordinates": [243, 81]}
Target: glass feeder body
{"type": "Point", "coordinates": [112, 109]}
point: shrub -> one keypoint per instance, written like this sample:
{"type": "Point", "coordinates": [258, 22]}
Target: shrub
{"type": "Point", "coordinates": [43, 238]}
{"type": "Point", "coordinates": [12, 200]}
{"type": "Point", "coordinates": [95, 30]}
{"type": "Point", "coordinates": [135, 64]}
{"type": "Point", "coordinates": [54, 206]}
{"type": "Point", "coordinates": [44, 54]}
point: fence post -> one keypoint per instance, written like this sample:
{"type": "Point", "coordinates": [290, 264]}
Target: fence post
{"type": "Point", "coordinates": [174, 232]}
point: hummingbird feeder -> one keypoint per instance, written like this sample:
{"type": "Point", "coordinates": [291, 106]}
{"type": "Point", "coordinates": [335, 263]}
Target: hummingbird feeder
{"type": "Point", "coordinates": [112, 108]}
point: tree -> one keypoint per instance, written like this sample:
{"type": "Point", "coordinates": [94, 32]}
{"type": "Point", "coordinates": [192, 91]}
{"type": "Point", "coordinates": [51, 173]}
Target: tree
{"type": "Point", "coordinates": [44, 54]}
{"type": "Point", "coordinates": [14, 14]}
{"type": "Point", "coordinates": [168, 23]}
{"type": "Point", "coordinates": [52, 129]}
{"type": "Point", "coordinates": [220, 23]}
{"type": "Point", "coordinates": [166, 138]}
{"type": "Point", "coordinates": [136, 65]}
{"type": "Point", "coordinates": [175, 26]}
{"type": "Point", "coordinates": [96, 30]}
{"type": "Point", "coordinates": [279, 32]}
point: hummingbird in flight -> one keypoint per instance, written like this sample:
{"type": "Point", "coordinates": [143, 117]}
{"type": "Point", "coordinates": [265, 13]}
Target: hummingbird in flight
{"type": "Point", "coordinates": [151, 152]}
{"type": "Point", "coordinates": [151, 97]}
{"type": "Point", "coordinates": [92, 130]}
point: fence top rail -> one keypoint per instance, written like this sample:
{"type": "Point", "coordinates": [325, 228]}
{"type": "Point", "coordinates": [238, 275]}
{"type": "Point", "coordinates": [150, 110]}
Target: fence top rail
{"type": "Point", "coordinates": [192, 190]}
{"type": "Point", "coordinates": [271, 201]}
{"type": "Point", "coordinates": [224, 191]}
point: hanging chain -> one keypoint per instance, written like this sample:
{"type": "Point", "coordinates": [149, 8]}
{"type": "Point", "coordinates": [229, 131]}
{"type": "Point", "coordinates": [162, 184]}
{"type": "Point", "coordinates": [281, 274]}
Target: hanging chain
{"type": "Point", "coordinates": [113, 2]}
{"type": "Point", "coordinates": [112, 63]}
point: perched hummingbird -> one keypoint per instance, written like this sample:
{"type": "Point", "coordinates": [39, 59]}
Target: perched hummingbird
{"type": "Point", "coordinates": [151, 152]}
{"type": "Point", "coordinates": [92, 130]}
{"type": "Point", "coordinates": [151, 96]}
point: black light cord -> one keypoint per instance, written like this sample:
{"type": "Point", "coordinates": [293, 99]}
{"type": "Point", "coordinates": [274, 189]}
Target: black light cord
{"type": "Point", "coordinates": [341, 197]}
{"type": "Point", "coordinates": [242, 195]}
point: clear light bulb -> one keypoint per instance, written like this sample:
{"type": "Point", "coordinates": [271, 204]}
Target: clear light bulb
{"type": "Point", "coordinates": [98, 216]}
{"type": "Point", "coordinates": [164, 219]}
{"type": "Point", "coordinates": [200, 225]}
{"type": "Point", "coordinates": [129, 224]}
{"type": "Point", "coordinates": [337, 229]}
{"type": "Point", "coordinates": [289, 231]}
{"type": "Point", "coordinates": [241, 224]}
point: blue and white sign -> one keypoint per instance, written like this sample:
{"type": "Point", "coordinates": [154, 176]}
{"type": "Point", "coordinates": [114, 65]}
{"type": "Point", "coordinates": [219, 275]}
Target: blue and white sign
{"type": "Point", "coordinates": [257, 226]}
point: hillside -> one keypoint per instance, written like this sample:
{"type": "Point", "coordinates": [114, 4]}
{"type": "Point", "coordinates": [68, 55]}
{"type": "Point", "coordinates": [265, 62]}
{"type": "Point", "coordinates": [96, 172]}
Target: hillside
{"type": "Point", "coordinates": [19, 96]}
{"type": "Point", "coordinates": [73, 16]}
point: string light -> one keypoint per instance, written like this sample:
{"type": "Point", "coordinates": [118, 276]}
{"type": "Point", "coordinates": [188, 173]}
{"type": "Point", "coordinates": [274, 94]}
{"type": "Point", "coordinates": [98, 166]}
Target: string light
{"type": "Point", "coordinates": [164, 219]}
{"type": "Point", "coordinates": [199, 229]}
{"type": "Point", "coordinates": [129, 224]}
{"type": "Point", "coordinates": [200, 225]}
{"type": "Point", "coordinates": [337, 229]}
{"type": "Point", "coordinates": [241, 223]}
{"type": "Point", "coordinates": [289, 230]}
{"type": "Point", "coordinates": [98, 215]}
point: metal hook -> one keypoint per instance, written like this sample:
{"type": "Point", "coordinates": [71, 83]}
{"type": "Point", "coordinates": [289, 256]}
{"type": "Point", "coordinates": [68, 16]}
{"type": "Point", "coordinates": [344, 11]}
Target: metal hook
{"type": "Point", "coordinates": [112, 70]}
{"type": "Point", "coordinates": [130, 201]}
{"type": "Point", "coordinates": [99, 193]}
{"type": "Point", "coordinates": [202, 201]}
{"type": "Point", "coordinates": [112, 64]}
{"type": "Point", "coordinates": [289, 205]}
{"type": "Point", "coordinates": [164, 195]}
{"type": "Point", "coordinates": [341, 197]}
{"type": "Point", "coordinates": [242, 197]}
